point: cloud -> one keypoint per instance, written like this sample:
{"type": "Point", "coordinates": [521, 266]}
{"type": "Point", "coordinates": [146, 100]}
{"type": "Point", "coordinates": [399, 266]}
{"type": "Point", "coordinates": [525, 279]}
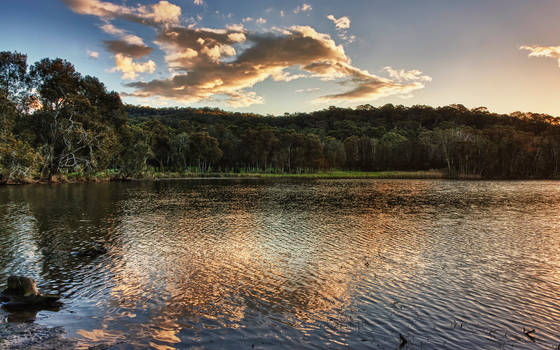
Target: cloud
{"type": "Point", "coordinates": [127, 49]}
{"type": "Point", "coordinates": [165, 12]}
{"type": "Point", "coordinates": [93, 54]}
{"type": "Point", "coordinates": [261, 20]}
{"type": "Point", "coordinates": [199, 2]}
{"type": "Point", "coordinates": [340, 23]}
{"type": "Point", "coordinates": [205, 76]}
{"type": "Point", "coordinates": [111, 29]}
{"type": "Point", "coordinates": [208, 64]}
{"type": "Point", "coordinates": [543, 51]}
{"type": "Point", "coordinates": [161, 13]}
{"type": "Point", "coordinates": [303, 8]}
{"type": "Point", "coordinates": [373, 89]}
{"type": "Point", "coordinates": [406, 75]}
{"type": "Point", "coordinates": [190, 47]}
{"type": "Point", "coordinates": [236, 27]}
{"type": "Point", "coordinates": [129, 68]}
{"type": "Point", "coordinates": [128, 38]}
{"type": "Point", "coordinates": [308, 90]}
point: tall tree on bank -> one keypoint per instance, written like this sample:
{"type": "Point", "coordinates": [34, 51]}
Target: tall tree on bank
{"type": "Point", "coordinates": [17, 156]}
{"type": "Point", "coordinates": [72, 132]}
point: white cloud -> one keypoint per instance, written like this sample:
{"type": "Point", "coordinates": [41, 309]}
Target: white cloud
{"type": "Point", "coordinates": [93, 54]}
{"type": "Point", "coordinates": [406, 75]}
{"type": "Point", "coordinates": [307, 90]}
{"type": "Point", "coordinates": [165, 12]}
{"type": "Point", "coordinates": [340, 23]}
{"type": "Point", "coordinates": [129, 68]}
{"type": "Point", "coordinates": [261, 20]}
{"type": "Point", "coordinates": [303, 8]}
{"type": "Point", "coordinates": [543, 51]}
{"type": "Point", "coordinates": [199, 2]}
{"type": "Point", "coordinates": [237, 37]}
{"type": "Point", "coordinates": [111, 29]}
{"type": "Point", "coordinates": [235, 27]}
{"type": "Point", "coordinates": [161, 13]}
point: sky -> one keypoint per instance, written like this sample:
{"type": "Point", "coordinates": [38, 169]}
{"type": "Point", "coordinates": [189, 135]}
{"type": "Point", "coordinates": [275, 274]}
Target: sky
{"type": "Point", "coordinates": [275, 57]}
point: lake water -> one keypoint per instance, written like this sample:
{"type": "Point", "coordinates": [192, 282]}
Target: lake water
{"type": "Point", "coordinates": [292, 264]}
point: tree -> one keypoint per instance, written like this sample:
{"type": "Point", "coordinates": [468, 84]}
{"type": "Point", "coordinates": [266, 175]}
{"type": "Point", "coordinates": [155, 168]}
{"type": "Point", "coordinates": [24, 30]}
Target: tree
{"type": "Point", "coordinates": [135, 151]}
{"type": "Point", "coordinates": [334, 153]}
{"type": "Point", "coordinates": [71, 130]}
{"type": "Point", "coordinates": [205, 150]}
{"type": "Point", "coordinates": [17, 157]}
{"type": "Point", "coordinates": [180, 146]}
{"type": "Point", "coordinates": [159, 141]}
{"type": "Point", "coordinates": [14, 80]}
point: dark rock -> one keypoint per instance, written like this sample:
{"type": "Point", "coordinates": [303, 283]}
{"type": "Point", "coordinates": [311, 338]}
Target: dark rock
{"type": "Point", "coordinates": [21, 286]}
{"type": "Point", "coordinates": [37, 302]}
{"type": "Point", "coordinates": [22, 295]}
{"type": "Point", "coordinates": [403, 341]}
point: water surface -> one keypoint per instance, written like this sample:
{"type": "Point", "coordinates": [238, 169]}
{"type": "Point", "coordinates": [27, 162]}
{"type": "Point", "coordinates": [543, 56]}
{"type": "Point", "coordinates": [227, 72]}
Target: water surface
{"type": "Point", "coordinates": [284, 264]}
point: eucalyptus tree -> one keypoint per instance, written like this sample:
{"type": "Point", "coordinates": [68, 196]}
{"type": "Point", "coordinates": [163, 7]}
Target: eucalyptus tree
{"type": "Point", "coordinates": [72, 131]}
{"type": "Point", "coordinates": [17, 156]}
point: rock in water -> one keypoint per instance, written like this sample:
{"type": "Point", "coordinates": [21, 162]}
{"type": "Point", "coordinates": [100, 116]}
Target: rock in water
{"type": "Point", "coordinates": [22, 294]}
{"type": "Point", "coordinates": [19, 286]}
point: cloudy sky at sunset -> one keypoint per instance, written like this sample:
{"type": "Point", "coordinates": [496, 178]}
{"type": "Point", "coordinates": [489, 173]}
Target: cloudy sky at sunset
{"type": "Point", "coordinates": [285, 56]}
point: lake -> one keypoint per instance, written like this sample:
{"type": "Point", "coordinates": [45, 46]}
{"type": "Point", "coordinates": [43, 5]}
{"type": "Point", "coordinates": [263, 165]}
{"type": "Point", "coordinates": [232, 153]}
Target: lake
{"type": "Point", "coordinates": [283, 264]}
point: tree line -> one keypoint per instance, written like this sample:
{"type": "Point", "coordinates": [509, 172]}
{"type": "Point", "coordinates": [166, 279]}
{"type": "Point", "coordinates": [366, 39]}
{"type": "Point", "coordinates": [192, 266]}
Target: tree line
{"type": "Point", "coordinates": [55, 121]}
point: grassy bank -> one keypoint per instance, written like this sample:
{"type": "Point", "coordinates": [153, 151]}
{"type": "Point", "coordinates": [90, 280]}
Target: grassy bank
{"type": "Point", "coordinates": [335, 174]}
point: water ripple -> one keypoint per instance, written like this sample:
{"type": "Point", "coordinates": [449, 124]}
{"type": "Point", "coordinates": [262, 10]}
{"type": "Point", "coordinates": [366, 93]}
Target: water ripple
{"type": "Point", "coordinates": [292, 264]}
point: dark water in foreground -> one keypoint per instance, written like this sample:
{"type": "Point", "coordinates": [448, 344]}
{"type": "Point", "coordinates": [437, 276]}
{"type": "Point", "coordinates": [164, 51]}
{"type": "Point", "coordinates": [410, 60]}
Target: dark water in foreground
{"type": "Point", "coordinates": [292, 264]}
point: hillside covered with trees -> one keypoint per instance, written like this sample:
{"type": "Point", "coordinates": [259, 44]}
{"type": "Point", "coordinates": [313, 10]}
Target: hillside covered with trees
{"type": "Point", "coordinates": [54, 121]}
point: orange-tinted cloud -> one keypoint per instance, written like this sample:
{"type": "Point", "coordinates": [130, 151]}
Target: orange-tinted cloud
{"type": "Point", "coordinates": [211, 64]}
{"type": "Point", "coordinates": [204, 75]}
{"type": "Point", "coordinates": [407, 75]}
{"type": "Point", "coordinates": [543, 51]}
{"type": "Point", "coordinates": [161, 13]}
{"type": "Point", "coordinates": [129, 68]}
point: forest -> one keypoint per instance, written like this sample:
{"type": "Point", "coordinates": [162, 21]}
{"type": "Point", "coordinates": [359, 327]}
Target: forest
{"type": "Point", "coordinates": [55, 122]}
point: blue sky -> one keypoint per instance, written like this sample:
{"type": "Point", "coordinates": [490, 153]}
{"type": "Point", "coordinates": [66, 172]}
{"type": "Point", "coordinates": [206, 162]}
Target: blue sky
{"type": "Point", "coordinates": [218, 53]}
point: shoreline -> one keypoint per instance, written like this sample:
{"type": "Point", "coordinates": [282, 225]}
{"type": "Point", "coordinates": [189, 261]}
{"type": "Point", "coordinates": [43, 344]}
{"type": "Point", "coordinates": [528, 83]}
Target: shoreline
{"type": "Point", "coordinates": [326, 175]}
{"type": "Point", "coordinates": [334, 175]}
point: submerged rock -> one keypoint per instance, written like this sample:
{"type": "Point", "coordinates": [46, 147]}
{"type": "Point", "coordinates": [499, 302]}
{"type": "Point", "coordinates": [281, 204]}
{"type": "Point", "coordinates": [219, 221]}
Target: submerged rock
{"type": "Point", "coordinates": [22, 294]}
{"type": "Point", "coordinates": [21, 286]}
{"type": "Point", "coordinates": [90, 253]}
{"type": "Point", "coordinates": [33, 337]}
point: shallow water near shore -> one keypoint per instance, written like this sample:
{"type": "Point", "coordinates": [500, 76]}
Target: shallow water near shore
{"type": "Point", "coordinates": [278, 263]}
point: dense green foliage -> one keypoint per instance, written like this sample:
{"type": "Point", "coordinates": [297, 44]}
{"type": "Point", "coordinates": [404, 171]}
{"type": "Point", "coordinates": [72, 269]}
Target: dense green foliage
{"type": "Point", "coordinates": [55, 121]}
